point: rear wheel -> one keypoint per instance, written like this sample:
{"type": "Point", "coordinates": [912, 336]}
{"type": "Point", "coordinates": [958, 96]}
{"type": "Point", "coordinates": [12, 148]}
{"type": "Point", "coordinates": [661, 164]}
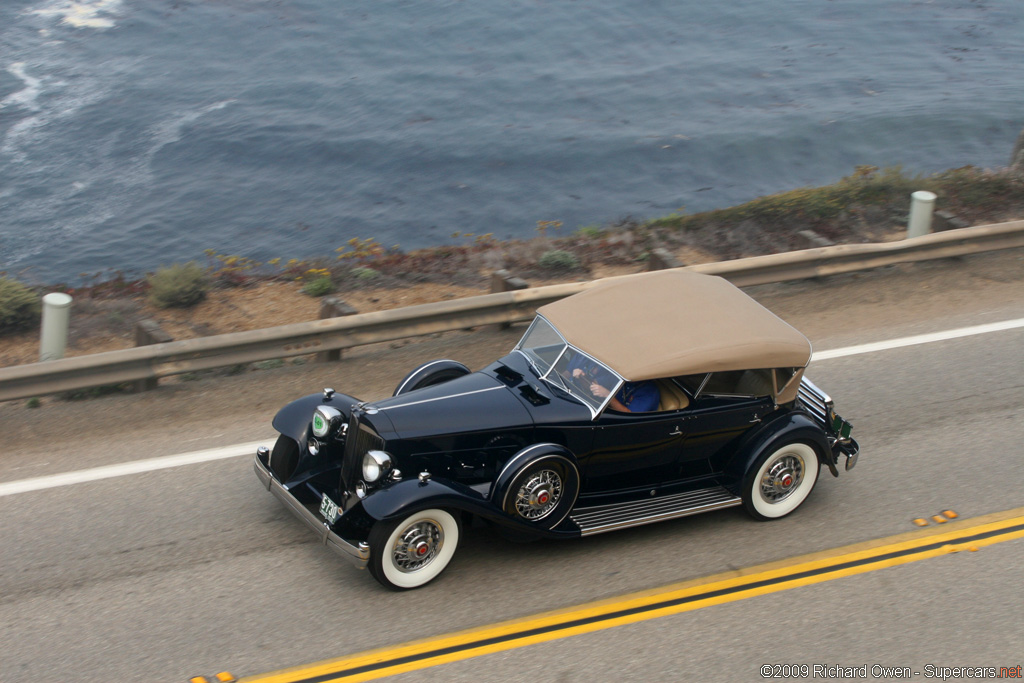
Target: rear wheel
{"type": "Point", "coordinates": [411, 552]}
{"type": "Point", "coordinates": [779, 481]}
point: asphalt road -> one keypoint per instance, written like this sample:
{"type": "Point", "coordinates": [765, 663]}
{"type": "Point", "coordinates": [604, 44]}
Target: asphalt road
{"type": "Point", "coordinates": [195, 569]}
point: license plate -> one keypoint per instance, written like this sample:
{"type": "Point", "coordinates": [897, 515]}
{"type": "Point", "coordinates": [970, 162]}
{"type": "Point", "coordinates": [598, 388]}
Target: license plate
{"type": "Point", "coordinates": [329, 509]}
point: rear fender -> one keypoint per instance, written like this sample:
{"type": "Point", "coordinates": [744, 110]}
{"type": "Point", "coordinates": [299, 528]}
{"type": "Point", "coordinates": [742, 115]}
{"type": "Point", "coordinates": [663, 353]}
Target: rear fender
{"type": "Point", "coordinates": [790, 427]}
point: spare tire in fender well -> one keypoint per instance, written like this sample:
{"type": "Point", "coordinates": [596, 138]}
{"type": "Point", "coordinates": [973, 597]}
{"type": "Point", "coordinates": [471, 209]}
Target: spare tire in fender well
{"type": "Point", "coordinates": [429, 374]}
{"type": "Point", "coordinates": [539, 456]}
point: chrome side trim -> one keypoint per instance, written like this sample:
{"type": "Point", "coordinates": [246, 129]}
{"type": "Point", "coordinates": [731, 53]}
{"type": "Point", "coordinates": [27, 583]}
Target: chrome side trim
{"type": "Point", "coordinates": [602, 518]}
{"type": "Point", "coordinates": [357, 553]}
{"type": "Point", "coordinates": [444, 398]}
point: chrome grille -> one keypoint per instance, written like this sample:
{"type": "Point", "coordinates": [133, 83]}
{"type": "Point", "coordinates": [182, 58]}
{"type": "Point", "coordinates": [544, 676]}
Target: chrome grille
{"type": "Point", "coordinates": [360, 438]}
{"type": "Point", "coordinates": [815, 401]}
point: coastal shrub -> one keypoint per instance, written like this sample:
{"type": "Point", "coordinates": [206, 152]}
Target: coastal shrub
{"type": "Point", "coordinates": [556, 259]}
{"type": "Point", "coordinates": [318, 286]}
{"type": "Point", "coordinates": [178, 286]}
{"type": "Point", "coordinates": [364, 273]}
{"type": "Point", "coordinates": [867, 185]}
{"type": "Point", "coordinates": [19, 305]}
{"type": "Point", "coordinates": [590, 232]}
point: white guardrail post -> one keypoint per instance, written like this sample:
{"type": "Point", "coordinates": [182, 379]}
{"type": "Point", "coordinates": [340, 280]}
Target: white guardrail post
{"type": "Point", "coordinates": [53, 338]}
{"type": "Point", "coordinates": [922, 206]}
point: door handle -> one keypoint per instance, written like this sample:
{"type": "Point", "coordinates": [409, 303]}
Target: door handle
{"type": "Point", "coordinates": [676, 433]}
{"type": "Point", "coordinates": [755, 420]}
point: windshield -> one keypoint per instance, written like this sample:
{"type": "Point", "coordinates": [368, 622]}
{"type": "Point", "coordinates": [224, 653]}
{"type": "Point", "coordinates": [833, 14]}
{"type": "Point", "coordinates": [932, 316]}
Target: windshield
{"type": "Point", "coordinates": [568, 368]}
{"type": "Point", "coordinates": [542, 345]}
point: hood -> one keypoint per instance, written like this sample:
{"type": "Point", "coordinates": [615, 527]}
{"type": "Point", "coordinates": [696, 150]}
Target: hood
{"type": "Point", "coordinates": [470, 403]}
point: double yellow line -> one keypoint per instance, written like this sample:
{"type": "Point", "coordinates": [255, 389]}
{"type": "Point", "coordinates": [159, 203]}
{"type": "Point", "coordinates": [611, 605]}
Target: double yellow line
{"type": "Point", "coordinates": [681, 597]}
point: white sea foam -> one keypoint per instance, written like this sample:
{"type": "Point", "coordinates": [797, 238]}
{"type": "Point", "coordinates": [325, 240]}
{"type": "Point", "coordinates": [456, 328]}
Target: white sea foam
{"type": "Point", "coordinates": [27, 97]}
{"type": "Point", "coordinates": [171, 130]}
{"type": "Point", "coordinates": [117, 179]}
{"type": "Point", "coordinates": [55, 87]}
{"type": "Point", "coordinates": [98, 14]}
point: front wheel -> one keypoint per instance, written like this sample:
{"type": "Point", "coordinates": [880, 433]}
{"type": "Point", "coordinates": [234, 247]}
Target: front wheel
{"type": "Point", "coordinates": [779, 481]}
{"type": "Point", "coordinates": [411, 552]}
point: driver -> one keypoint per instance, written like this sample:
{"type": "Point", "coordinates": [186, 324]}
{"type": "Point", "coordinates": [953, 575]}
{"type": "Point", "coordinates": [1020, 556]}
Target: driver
{"type": "Point", "coordinates": [633, 397]}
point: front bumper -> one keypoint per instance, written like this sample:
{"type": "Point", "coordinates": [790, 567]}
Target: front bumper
{"type": "Point", "coordinates": [358, 553]}
{"type": "Point", "coordinates": [850, 448]}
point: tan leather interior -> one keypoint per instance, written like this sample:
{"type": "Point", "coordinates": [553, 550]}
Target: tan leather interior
{"type": "Point", "coordinates": [672, 397]}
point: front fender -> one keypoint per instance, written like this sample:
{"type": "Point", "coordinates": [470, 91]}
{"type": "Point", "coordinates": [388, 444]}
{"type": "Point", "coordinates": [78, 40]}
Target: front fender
{"type": "Point", "coordinates": [405, 497]}
{"type": "Point", "coordinates": [790, 427]}
{"type": "Point", "coordinates": [293, 419]}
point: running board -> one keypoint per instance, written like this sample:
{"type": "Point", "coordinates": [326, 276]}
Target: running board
{"type": "Point", "coordinates": [602, 518]}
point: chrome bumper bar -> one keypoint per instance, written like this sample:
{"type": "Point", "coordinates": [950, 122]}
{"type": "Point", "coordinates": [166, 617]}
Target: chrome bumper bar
{"type": "Point", "coordinates": [850, 448]}
{"type": "Point", "coordinates": [357, 553]}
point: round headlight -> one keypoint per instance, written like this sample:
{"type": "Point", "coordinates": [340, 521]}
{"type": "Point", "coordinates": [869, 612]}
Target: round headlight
{"type": "Point", "coordinates": [320, 425]}
{"type": "Point", "coordinates": [375, 465]}
{"type": "Point", "coordinates": [324, 419]}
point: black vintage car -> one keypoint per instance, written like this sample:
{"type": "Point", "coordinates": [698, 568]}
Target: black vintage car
{"type": "Point", "coordinates": [641, 399]}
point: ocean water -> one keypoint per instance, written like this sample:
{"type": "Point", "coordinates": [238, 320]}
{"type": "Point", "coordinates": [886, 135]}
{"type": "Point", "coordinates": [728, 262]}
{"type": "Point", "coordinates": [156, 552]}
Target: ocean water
{"type": "Point", "coordinates": [137, 133]}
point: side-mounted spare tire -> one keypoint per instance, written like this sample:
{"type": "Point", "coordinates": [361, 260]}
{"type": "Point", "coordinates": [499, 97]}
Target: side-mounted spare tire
{"type": "Point", "coordinates": [539, 485]}
{"type": "Point", "coordinates": [429, 374]}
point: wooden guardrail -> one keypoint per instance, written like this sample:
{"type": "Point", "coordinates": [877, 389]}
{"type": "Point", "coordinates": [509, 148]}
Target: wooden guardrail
{"type": "Point", "coordinates": [190, 355]}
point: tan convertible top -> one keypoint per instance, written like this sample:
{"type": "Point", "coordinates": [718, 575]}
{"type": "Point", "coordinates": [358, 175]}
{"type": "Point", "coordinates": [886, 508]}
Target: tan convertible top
{"type": "Point", "coordinates": [676, 322]}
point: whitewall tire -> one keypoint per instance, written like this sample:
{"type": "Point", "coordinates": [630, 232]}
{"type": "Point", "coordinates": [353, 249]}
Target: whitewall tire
{"type": "Point", "coordinates": [413, 551]}
{"type": "Point", "coordinates": [779, 481]}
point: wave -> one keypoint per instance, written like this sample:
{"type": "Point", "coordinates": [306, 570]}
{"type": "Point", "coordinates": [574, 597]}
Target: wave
{"type": "Point", "coordinates": [98, 14]}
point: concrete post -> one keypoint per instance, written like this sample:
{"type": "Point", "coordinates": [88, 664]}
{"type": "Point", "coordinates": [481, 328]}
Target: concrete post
{"type": "Point", "coordinates": [149, 332]}
{"type": "Point", "coordinates": [661, 258]}
{"type": "Point", "coordinates": [332, 307]}
{"type": "Point", "coordinates": [503, 281]}
{"type": "Point", "coordinates": [922, 205]}
{"type": "Point", "coordinates": [54, 335]}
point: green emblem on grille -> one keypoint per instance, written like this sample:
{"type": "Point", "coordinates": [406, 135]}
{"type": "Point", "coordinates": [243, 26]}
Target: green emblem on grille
{"type": "Point", "coordinates": [318, 423]}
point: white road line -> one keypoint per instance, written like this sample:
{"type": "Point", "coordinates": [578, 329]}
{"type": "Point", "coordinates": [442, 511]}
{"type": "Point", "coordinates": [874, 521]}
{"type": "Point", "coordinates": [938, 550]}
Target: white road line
{"type": "Point", "coordinates": [918, 339]}
{"type": "Point", "coordinates": [108, 471]}
{"type": "Point", "coordinates": [135, 467]}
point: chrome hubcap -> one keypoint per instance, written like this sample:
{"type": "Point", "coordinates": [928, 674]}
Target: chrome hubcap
{"type": "Point", "coordinates": [539, 495]}
{"type": "Point", "coordinates": [782, 478]}
{"type": "Point", "coordinates": [418, 545]}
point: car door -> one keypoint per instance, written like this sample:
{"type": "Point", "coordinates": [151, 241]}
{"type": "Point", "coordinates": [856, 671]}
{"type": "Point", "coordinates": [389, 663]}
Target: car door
{"type": "Point", "coordinates": [711, 428]}
{"type": "Point", "coordinates": [632, 451]}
